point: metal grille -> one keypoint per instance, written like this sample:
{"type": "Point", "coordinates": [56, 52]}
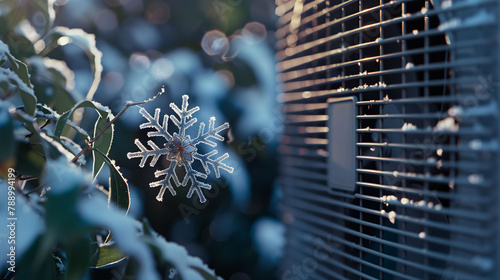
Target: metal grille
{"type": "Point", "coordinates": [422, 75]}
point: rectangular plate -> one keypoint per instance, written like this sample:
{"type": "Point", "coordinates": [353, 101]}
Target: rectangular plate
{"type": "Point", "coordinates": [342, 140]}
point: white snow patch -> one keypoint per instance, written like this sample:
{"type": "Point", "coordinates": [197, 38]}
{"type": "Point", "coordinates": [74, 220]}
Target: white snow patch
{"type": "Point", "coordinates": [446, 4]}
{"type": "Point", "coordinates": [269, 239]}
{"type": "Point", "coordinates": [14, 79]}
{"type": "Point", "coordinates": [450, 24]}
{"type": "Point", "coordinates": [125, 233]}
{"type": "Point", "coordinates": [392, 217]}
{"type": "Point", "coordinates": [365, 86]}
{"type": "Point", "coordinates": [379, 84]}
{"type": "Point", "coordinates": [62, 176]}
{"type": "Point", "coordinates": [179, 258]}
{"type": "Point", "coordinates": [455, 111]}
{"type": "Point", "coordinates": [447, 124]}
{"type": "Point", "coordinates": [409, 127]}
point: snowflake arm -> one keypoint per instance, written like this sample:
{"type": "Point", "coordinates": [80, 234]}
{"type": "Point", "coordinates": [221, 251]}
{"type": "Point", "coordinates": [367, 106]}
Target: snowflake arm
{"type": "Point", "coordinates": [184, 114]}
{"type": "Point", "coordinates": [213, 132]}
{"type": "Point", "coordinates": [165, 182]}
{"type": "Point", "coordinates": [154, 122]}
{"type": "Point", "coordinates": [217, 164]}
{"type": "Point", "coordinates": [196, 186]}
{"type": "Point", "coordinates": [144, 153]}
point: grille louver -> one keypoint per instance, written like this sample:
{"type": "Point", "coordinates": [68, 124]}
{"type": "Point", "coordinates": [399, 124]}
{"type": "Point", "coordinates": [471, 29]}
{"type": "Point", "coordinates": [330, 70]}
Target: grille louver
{"type": "Point", "coordinates": [422, 74]}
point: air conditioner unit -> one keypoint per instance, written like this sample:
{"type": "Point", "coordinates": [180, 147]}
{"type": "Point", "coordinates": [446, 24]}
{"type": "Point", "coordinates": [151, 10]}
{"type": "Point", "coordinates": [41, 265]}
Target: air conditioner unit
{"type": "Point", "coordinates": [390, 153]}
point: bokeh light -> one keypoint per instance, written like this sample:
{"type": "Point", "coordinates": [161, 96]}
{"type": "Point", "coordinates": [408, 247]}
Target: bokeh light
{"type": "Point", "coordinates": [139, 61]}
{"type": "Point", "coordinates": [157, 12]}
{"type": "Point", "coordinates": [215, 42]}
{"type": "Point", "coordinates": [254, 32]}
{"type": "Point", "coordinates": [163, 68]}
{"type": "Point", "coordinates": [106, 20]}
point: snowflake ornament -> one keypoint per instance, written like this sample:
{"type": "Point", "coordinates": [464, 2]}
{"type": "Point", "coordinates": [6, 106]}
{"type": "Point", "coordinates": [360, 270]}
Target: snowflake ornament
{"type": "Point", "coordinates": [180, 150]}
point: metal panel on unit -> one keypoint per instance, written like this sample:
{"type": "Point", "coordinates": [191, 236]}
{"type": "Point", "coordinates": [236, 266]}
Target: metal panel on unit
{"type": "Point", "coordinates": [342, 143]}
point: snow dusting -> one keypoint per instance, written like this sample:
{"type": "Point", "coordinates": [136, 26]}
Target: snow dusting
{"type": "Point", "coordinates": [409, 127]}
{"type": "Point", "coordinates": [447, 124]}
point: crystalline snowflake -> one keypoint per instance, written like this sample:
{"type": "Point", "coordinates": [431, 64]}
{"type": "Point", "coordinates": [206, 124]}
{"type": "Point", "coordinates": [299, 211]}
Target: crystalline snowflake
{"type": "Point", "coordinates": [180, 150]}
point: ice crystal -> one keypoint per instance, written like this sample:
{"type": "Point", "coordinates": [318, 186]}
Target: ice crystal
{"type": "Point", "coordinates": [180, 150]}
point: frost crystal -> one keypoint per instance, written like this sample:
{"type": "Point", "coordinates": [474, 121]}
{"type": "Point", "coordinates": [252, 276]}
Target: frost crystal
{"type": "Point", "coordinates": [180, 150]}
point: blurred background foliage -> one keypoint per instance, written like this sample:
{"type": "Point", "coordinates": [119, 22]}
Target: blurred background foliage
{"type": "Point", "coordinates": [220, 53]}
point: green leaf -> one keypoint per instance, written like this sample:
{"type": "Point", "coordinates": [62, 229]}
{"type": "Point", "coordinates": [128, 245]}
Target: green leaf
{"type": "Point", "coordinates": [204, 274]}
{"type": "Point", "coordinates": [78, 253]}
{"type": "Point", "coordinates": [103, 143]}
{"type": "Point", "coordinates": [20, 46]}
{"type": "Point", "coordinates": [53, 83]}
{"type": "Point", "coordinates": [44, 112]}
{"type": "Point", "coordinates": [20, 77]}
{"type": "Point", "coordinates": [107, 255]}
{"type": "Point", "coordinates": [27, 94]}
{"type": "Point", "coordinates": [12, 15]}
{"type": "Point", "coordinates": [55, 148]}
{"type": "Point", "coordinates": [39, 260]}
{"type": "Point", "coordinates": [27, 122]}
{"type": "Point", "coordinates": [61, 123]}
{"type": "Point", "coordinates": [147, 228]}
{"type": "Point", "coordinates": [7, 141]}
{"type": "Point", "coordinates": [10, 82]}
{"type": "Point", "coordinates": [29, 161]}
{"type": "Point", "coordinates": [63, 35]}
{"type": "Point", "coordinates": [118, 187]}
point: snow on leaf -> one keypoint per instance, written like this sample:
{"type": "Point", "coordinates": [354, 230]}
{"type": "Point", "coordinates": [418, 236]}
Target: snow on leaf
{"type": "Point", "coordinates": [88, 43]}
{"type": "Point", "coordinates": [186, 266]}
{"type": "Point", "coordinates": [180, 150]}
{"type": "Point", "coordinates": [124, 230]}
